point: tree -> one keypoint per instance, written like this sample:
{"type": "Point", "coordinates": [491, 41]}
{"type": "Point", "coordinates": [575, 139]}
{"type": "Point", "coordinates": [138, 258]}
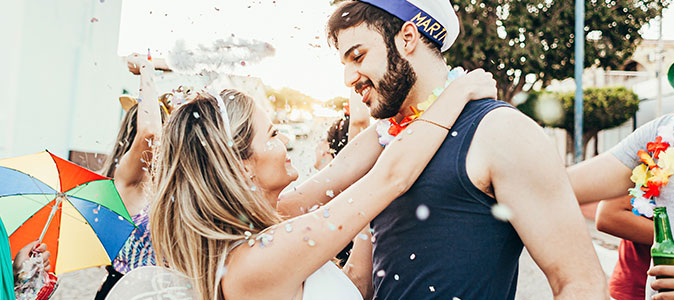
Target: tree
{"type": "Point", "coordinates": [603, 108]}
{"type": "Point", "coordinates": [514, 39]}
{"type": "Point", "coordinates": [336, 103]}
{"type": "Point", "coordinates": [287, 98]}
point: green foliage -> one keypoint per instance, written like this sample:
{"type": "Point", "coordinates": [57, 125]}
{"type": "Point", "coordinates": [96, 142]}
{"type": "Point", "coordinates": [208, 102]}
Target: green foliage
{"type": "Point", "coordinates": [287, 98]}
{"type": "Point", "coordinates": [603, 108]}
{"type": "Point", "coordinates": [515, 38]}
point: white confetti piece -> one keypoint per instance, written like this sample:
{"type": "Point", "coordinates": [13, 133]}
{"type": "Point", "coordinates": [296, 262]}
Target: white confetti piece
{"type": "Point", "coordinates": [413, 256]}
{"type": "Point", "coordinates": [431, 288]}
{"type": "Point", "coordinates": [396, 277]}
{"type": "Point", "coordinates": [326, 212]}
{"type": "Point", "coordinates": [362, 236]}
{"type": "Point", "coordinates": [501, 212]}
{"type": "Point", "coordinates": [330, 193]}
{"type": "Point", "coordinates": [381, 273]}
{"type": "Point", "coordinates": [289, 228]}
{"type": "Point", "coordinates": [454, 133]}
{"type": "Point", "coordinates": [196, 115]}
{"type": "Point", "coordinates": [423, 212]}
{"type": "Point", "coordinates": [311, 243]}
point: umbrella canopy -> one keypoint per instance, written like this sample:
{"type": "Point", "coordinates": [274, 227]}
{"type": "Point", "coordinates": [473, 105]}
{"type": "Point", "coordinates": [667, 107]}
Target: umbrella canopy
{"type": "Point", "coordinates": [79, 213]}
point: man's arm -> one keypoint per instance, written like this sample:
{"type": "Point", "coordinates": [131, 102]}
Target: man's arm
{"type": "Point", "coordinates": [528, 177]}
{"type": "Point", "coordinates": [615, 217]}
{"type": "Point", "coordinates": [601, 177]}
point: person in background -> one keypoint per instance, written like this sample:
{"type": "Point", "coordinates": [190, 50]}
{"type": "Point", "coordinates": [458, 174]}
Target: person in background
{"type": "Point", "coordinates": [128, 164]}
{"type": "Point", "coordinates": [9, 270]}
{"type": "Point", "coordinates": [337, 137]}
{"type": "Point", "coordinates": [615, 217]}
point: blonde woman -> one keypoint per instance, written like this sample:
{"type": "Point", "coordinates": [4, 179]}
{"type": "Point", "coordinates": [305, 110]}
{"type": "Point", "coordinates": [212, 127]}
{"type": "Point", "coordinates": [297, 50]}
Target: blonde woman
{"type": "Point", "coordinates": [219, 171]}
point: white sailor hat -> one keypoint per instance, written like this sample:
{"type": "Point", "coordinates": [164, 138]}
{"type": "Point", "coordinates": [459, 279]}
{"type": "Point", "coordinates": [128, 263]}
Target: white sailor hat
{"type": "Point", "coordinates": [436, 19]}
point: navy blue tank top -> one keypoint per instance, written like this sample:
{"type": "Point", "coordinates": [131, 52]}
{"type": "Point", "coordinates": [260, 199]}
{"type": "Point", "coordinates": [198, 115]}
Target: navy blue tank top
{"type": "Point", "coordinates": [460, 249]}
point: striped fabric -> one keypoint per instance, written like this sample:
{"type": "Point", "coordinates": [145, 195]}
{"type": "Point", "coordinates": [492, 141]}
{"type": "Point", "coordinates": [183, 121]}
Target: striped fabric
{"type": "Point", "coordinates": [137, 251]}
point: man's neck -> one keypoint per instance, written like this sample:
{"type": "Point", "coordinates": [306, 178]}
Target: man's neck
{"type": "Point", "coordinates": [428, 79]}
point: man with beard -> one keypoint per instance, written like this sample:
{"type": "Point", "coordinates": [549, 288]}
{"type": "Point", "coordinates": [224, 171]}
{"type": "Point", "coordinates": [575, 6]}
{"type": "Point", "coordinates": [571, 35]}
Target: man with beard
{"type": "Point", "coordinates": [440, 240]}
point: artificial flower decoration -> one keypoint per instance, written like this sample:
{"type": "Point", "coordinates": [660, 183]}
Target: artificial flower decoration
{"type": "Point", "coordinates": [660, 177]}
{"type": "Point", "coordinates": [640, 175]}
{"type": "Point", "coordinates": [657, 147]}
{"type": "Point", "coordinates": [651, 190]}
{"type": "Point", "coordinates": [642, 206]}
{"type": "Point", "coordinates": [651, 176]}
{"type": "Point", "coordinates": [666, 160]}
{"type": "Point", "coordinates": [387, 129]}
{"type": "Point", "coordinates": [646, 158]}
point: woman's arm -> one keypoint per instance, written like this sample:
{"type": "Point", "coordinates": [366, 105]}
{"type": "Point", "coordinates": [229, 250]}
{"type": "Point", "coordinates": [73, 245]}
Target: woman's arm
{"type": "Point", "coordinates": [352, 162]}
{"type": "Point", "coordinates": [134, 164]}
{"type": "Point", "coordinates": [305, 243]}
{"type": "Point", "coordinates": [355, 159]}
{"type": "Point", "coordinates": [615, 217]}
{"type": "Point", "coordinates": [359, 265]}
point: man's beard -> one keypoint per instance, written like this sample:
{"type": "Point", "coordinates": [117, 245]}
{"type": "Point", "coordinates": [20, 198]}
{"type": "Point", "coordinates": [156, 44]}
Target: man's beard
{"type": "Point", "coordinates": [394, 87]}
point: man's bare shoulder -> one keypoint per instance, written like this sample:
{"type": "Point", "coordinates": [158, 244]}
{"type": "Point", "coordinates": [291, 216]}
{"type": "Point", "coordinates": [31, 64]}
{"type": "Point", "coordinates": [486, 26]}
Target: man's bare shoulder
{"type": "Point", "coordinates": [506, 136]}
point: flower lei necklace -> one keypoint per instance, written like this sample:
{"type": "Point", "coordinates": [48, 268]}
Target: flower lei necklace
{"type": "Point", "coordinates": [652, 175]}
{"type": "Point", "coordinates": [388, 129]}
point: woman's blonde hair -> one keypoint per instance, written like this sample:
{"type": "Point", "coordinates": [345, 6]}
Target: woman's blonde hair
{"type": "Point", "coordinates": [203, 202]}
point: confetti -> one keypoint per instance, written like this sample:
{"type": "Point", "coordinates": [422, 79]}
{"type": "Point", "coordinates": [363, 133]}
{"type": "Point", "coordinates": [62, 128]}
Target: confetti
{"type": "Point", "coordinates": [251, 243]}
{"type": "Point", "coordinates": [311, 243]}
{"type": "Point", "coordinates": [350, 200]}
{"type": "Point", "coordinates": [413, 256]}
{"type": "Point", "coordinates": [381, 273]}
{"type": "Point", "coordinates": [423, 212]}
{"type": "Point", "coordinates": [315, 207]}
{"type": "Point", "coordinates": [454, 133]}
{"type": "Point", "coordinates": [362, 236]}
{"type": "Point", "coordinates": [326, 212]}
{"type": "Point", "coordinates": [345, 14]}
{"type": "Point", "coordinates": [456, 298]}
{"type": "Point", "coordinates": [330, 193]}
{"type": "Point", "coordinates": [289, 228]}
{"type": "Point", "coordinates": [222, 270]}
{"type": "Point", "coordinates": [362, 213]}
{"type": "Point", "coordinates": [94, 20]}
{"type": "Point", "coordinates": [253, 188]}
{"type": "Point", "coordinates": [501, 212]}
{"type": "Point", "coordinates": [396, 277]}
{"type": "Point", "coordinates": [230, 143]}
{"type": "Point", "coordinates": [196, 115]}
{"type": "Point", "coordinates": [431, 288]}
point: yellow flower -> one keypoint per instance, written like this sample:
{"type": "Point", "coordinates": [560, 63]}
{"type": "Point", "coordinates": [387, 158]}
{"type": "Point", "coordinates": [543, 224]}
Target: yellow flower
{"type": "Point", "coordinates": [666, 160]}
{"type": "Point", "coordinates": [660, 176]}
{"type": "Point", "coordinates": [640, 175]}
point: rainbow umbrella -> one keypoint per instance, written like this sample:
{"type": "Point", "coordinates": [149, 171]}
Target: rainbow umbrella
{"type": "Point", "coordinates": [76, 212]}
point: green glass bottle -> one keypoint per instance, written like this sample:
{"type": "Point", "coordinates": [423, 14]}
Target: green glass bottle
{"type": "Point", "coordinates": [663, 248]}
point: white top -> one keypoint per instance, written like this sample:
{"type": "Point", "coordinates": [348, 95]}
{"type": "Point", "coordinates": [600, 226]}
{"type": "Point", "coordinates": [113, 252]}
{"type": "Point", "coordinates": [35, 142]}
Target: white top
{"type": "Point", "coordinates": [330, 283]}
{"type": "Point", "coordinates": [151, 282]}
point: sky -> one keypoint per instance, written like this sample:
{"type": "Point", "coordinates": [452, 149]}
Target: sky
{"type": "Point", "coordinates": [303, 59]}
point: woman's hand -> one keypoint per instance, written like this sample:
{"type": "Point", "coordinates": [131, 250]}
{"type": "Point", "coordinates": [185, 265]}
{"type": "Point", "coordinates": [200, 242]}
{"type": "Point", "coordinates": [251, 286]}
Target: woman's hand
{"type": "Point", "coordinates": [477, 84]}
{"type": "Point", "coordinates": [25, 252]}
{"type": "Point", "coordinates": [136, 62]}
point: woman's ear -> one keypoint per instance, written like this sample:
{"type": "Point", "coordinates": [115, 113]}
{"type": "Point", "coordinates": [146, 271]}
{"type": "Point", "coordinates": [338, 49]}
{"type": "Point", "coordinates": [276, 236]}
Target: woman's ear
{"type": "Point", "coordinates": [408, 39]}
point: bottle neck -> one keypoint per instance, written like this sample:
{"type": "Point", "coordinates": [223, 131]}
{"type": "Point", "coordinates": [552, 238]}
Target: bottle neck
{"type": "Point", "coordinates": [663, 231]}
